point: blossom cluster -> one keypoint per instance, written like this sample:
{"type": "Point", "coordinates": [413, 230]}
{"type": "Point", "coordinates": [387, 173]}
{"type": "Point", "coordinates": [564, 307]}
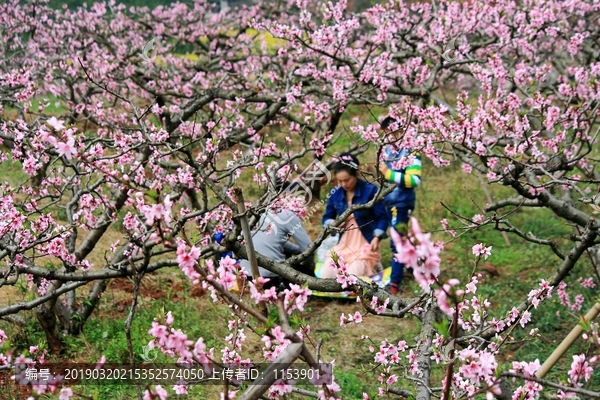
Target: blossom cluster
{"type": "Point", "coordinates": [417, 251]}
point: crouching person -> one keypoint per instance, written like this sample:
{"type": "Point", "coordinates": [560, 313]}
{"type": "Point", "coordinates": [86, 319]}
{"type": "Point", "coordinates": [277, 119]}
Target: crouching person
{"type": "Point", "coordinates": [271, 239]}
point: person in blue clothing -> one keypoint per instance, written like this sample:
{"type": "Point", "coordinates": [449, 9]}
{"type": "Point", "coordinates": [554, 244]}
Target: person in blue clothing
{"type": "Point", "coordinates": [403, 167]}
{"type": "Point", "coordinates": [363, 230]}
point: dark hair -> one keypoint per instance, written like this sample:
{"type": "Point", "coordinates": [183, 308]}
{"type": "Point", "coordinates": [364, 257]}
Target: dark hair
{"type": "Point", "coordinates": [347, 162]}
{"type": "Point", "coordinates": [280, 184]}
{"type": "Point", "coordinates": [387, 122]}
{"type": "Point", "coordinates": [293, 187]}
{"type": "Point", "coordinates": [285, 185]}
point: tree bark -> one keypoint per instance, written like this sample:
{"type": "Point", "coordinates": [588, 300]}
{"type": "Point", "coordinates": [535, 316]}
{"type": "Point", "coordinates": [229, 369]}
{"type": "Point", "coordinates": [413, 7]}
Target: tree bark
{"type": "Point", "coordinates": [85, 310]}
{"type": "Point", "coordinates": [47, 320]}
{"type": "Point", "coordinates": [424, 358]}
{"type": "Point", "coordinates": [269, 376]}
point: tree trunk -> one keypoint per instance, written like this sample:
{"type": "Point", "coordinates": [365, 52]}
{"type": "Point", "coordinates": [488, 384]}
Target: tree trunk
{"type": "Point", "coordinates": [47, 320]}
{"type": "Point", "coordinates": [424, 360]}
{"type": "Point", "coordinates": [86, 309]}
{"type": "Point", "coordinates": [594, 253]}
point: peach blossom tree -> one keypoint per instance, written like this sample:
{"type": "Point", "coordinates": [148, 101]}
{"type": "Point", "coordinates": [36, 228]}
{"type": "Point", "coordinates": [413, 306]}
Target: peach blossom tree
{"type": "Point", "coordinates": [148, 118]}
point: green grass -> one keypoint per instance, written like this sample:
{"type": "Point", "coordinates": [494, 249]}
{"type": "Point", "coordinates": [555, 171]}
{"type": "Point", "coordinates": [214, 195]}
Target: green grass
{"type": "Point", "coordinates": [104, 333]}
{"type": "Point", "coordinates": [56, 106]}
{"type": "Point", "coordinates": [351, 384]}
{"type": "Point", "coordinates": [12, 172]}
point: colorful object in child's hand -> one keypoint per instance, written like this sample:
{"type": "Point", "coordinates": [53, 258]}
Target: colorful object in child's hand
{"type": "Point", "coordinates": [381, 279]}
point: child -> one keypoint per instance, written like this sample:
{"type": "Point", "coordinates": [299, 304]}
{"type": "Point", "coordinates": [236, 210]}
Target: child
{"type": "Point", "coordinates": [402, 167]}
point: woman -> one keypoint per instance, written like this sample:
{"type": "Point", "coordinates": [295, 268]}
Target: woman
{"type": "Point", "coordinates": [363, 230]}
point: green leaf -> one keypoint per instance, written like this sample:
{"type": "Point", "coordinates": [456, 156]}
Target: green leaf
{"type": "Point", "coordinates": [585, 325]}
{"type": "Point", "coordinates": [261, 331]}
{"type": "Point", "coordinates": [401, 228]}
{"type": "Point", "coordinates": [498, 371]}
{"type": "Point", "coordinates": [153, 194]}
{"type": "Point", "coordinates": [294, 320]}
{"type": "Point", "coordinates": [273, 318]}
{"type": "Point", "coordinates": [443, 328]}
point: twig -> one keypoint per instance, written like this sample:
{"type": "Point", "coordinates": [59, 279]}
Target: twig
{"type": "Point", "coordinates": [239, 199]}
{"type": "Point", "coordinates": [544, 382]}
{"type": "Point", "coordinates": [490, 200]}
{"type": "Point", "coordinates": [400, 392]}
{"type": "Point", "coordinates": [137, 279]}
{"type": "Point", "coordinates": [305, 392]}
{"type": "Point", "coordinates": [15, 308]}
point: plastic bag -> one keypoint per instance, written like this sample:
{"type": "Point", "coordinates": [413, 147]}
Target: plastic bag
{"type": "Point", "coordinates": [326, 246]}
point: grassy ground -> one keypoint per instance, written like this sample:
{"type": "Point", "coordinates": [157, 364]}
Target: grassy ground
{"type": "Point", "coordinates": [515, 268]}
{"type": "Point", "coordinates": [197, 316]}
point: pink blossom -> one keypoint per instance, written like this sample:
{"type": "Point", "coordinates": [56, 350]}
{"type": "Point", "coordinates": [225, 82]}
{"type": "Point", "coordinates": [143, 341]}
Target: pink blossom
{"type": "Point", "coordinates": [158, 212]}
{"type": "Point", "coordinates": [580, 369]}
{"type": "Point", "coordinates": [3, 337]}
{"type": "Point", "coordinates": [269, 295]}
{"type": "Point", "coordinates": [227, 279]}
{"type": "Point", "coordinates": [445, 224]}
{"type": "Point", "coordinates": [155, 212]}
{"type": "Point", "coordinates": [187, 261]}
{"type": "Point", "coordinates": [278, 334]}
{"type": "Point", "coordinates": [407, 253]}
{"type": "Point", "coordinates": [56, 124]}
{"type": "Point", "coordinates": [279, 388]}
{"type": "Point", "coordinates": [358, 317]}
{"type": "Point", "coordinates": [30, 166]}
{"type": "Point", "coordinates": [101, 362]}
{"type": "Point", "coordinates": [442, 296]}
{"type": "Point", "coordinates": [65, 394]}
{"type": "Point", "coordinates": [382, 307]}
{"type": "Point", "coordinates": [158, 331]}
{"type": "Point", "coordinates": [200, 350]}
{"type": "Point", "coordinates": [525, 318]}
{"type": "Point", "coordinates": [472, 286]}
{"type": "Point", "coordinates": [66, 149]}
{"type": "Point", "coordinates": [417, 251]}
{"type": "Point", "coordinates": [479, 250]}
{"type": "Point", "coordinates": [180, 389]}
{"type": "Point", "coordinates": [551, 117]}
{"type": "Point", "coordinates": [342, 275]}
{"type": "Point", "coordinates": [532, 367]}
{"type": "Point", "coordinates": [587, 283]}
{"type": "Point", "coordinates": [497, 325]}
{"type": "Point", "coordinates": [267, 341]}
{"type": "Point", "coordinates": [478, 219]}
{"type": "Point", "coordinates": [296, 298]}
